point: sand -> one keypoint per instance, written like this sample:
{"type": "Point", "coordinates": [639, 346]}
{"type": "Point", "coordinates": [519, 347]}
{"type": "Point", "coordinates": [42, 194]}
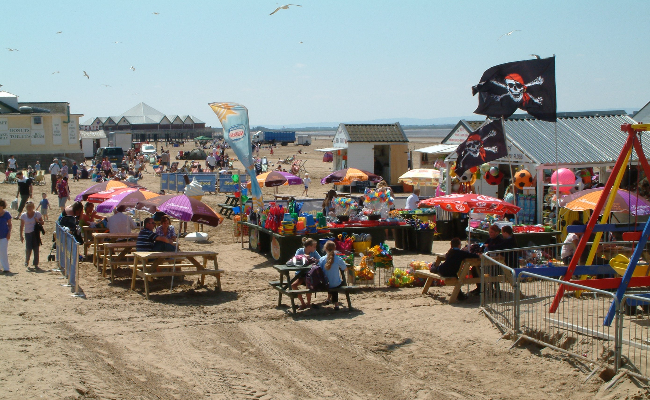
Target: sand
{"type": "Point", "coordinates": [195, 343]}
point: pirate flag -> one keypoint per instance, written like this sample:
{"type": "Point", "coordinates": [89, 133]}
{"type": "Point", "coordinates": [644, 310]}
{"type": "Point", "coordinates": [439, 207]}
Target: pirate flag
{"type": "Point", "coordinates": [528, 85]}
{"type": "Point", "coordinates": [486, 144]}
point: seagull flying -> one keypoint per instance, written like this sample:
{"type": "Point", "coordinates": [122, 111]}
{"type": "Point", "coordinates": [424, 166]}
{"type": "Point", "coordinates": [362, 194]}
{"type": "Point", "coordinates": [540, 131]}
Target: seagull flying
{"type": "Point", "coordinates": [106, 85]}
{"type": "Point", "coordinates": [55, 72]}
{"type": "Point", "coordinates": [59, 32]}
{"type": "Point", "coordinates": [509, 33]}
{"type": "Point", "coordinates": [117, 42]}
{"type": "Point", "coordinates": [86, 75]}
{"type": "Point", "coordinates": [284, 7]}
{"type": "Point", "coordinates": [12, 49]}
{"type": "Point", "coordinates": [132, 68]}
{"type": "Point", "coordinates": [299, 42]}
{"type": "Point", "coordinates": [536, 56]}
{"type": "Point", "coordinates": [155, 13]}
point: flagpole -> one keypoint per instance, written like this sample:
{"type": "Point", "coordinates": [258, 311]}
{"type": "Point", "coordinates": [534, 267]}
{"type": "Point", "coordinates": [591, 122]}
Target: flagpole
{"type": "Point", "coordinates": [512, 175]}
{"type": "Point", "coordinates": [557, 171]}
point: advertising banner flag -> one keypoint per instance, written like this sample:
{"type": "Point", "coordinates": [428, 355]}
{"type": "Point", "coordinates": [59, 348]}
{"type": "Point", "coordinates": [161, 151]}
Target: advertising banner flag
{"type": "Point", "coordinates": [234, 119]}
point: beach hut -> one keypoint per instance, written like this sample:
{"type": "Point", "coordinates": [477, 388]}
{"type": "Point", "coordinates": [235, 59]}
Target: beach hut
{"type": "Point", "coordinates": [379, 148]}
{"type": "Point", "coordinates": [90, 141]}
{"type": "Point", "coordinates": [37, 131]}
{"type": "Point", "coordinates": [576, 141]}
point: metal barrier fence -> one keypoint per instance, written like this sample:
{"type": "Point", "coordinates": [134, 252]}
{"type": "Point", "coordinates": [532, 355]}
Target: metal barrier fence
{"type": "Point", "coordinates": [67, 257]}
{"type": "Point", "coordinates": [518, 286]}
{"type": "Point", "coordinates": [634, 325]}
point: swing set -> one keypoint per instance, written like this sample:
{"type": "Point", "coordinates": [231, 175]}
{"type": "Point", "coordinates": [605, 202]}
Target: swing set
{"type": "Point", "coordinates": [604, 207]}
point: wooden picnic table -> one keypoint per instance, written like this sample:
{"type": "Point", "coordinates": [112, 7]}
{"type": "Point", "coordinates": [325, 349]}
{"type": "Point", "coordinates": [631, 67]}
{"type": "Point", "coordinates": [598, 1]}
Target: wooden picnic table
{"type": "Point", "coordinates": [148, 265]}
{"type": "Point", "coordinates": [100, 238]}
{"type": "Point", "coordinates": [284, 197]}
{"type": "Point", "coordinates": [115, 254]}
{"type": "Point", "coordinates": [232, 201]}
{"type": "Point", "coordinates": [87, 233]}
{"type": "Point", "coordinates": [284, 286]}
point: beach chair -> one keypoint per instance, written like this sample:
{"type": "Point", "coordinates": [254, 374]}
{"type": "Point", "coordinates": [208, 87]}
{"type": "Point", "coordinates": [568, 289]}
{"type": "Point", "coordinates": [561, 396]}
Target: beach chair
{"type": "Point", "coordinates": [157, 170]}
{"type": "Point", "coordinates": [39, 179]}
{"type": "Point", "coordinates": [11, 178]}
{"type": "Point", "coordinates": [298, 167]}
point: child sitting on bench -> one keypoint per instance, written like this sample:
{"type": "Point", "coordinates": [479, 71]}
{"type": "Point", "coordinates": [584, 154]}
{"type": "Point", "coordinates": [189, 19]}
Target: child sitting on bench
{"type": "Point", "coordinates": [308, 249]}
{"type": "Point", "coordinates": [453, 260]}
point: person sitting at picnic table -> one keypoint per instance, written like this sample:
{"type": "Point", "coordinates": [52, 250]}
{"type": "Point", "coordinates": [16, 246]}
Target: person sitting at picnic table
{"type": "Point", "coordinates": [148, 240]}
{"type": "Point", "coordinates": [453, 260]}
{"type": "Point", "coordinates": [331, 264]}
{"type": "Point", "coordinates": [309, 249]}
{"type": "Point", "coordinates": [495, 240]}
{"type": "Point", "coordinates": [89, 215]}
{"type": "Point", "coordinates": [69, 218]}
{"type": "Point", "coordinates": [413, 200]}
{"type": "Point", "coordinates": [120, 222]}
{"type": "Point", "coordinates": [166, 228]}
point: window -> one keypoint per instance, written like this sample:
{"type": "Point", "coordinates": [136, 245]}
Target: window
{"type": "Point", "coordinates": [38, 120]}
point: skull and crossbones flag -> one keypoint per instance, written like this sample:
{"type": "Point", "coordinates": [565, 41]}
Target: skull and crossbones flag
{"type": "Point", "coordinates": [528, 85]}
{"type": "Point", "coordinates": [486, 144]}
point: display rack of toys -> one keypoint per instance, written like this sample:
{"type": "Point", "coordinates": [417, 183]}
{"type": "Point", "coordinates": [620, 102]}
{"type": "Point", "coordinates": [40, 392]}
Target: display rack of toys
{"type": "Point", "coordinates": [377, 203]}
{"type": "Point", "coordinates": [400, 278]}
{"type": "Point", "coordinates": [343, 207]}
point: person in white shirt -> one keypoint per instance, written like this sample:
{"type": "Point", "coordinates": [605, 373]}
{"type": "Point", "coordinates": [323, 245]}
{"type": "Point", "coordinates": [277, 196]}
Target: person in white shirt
{"type": "Point", "coordinates": [37, 166]}
{"type": "Point", "coordinates": [413, 199]}
{"type": "Point", "coordinates": [120, 222]}
{"type": "Point", "coordinates": [54, 171]}
{"type": "Point", "coordinates": [12, 164]}
{"type": "Point", "coordinates": [211, 162]}
{"type": "Point", "coordinates": [306, 181]}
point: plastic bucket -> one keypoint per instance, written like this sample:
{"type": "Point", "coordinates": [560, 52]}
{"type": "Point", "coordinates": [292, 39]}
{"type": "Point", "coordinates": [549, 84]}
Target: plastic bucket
{"type": "Point", "coordinates": [360, 247]}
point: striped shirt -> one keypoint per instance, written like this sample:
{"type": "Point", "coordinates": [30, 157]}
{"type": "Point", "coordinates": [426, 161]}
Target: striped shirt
{"type": "Point", "coordinates": [146, 240]}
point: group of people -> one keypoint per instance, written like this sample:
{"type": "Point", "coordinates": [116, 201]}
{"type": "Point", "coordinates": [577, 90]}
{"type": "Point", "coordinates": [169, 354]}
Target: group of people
{"type": "Point", "coordinates": [31, 228]}
{"type": "Point", "coordinates": [332, 266]}
{"type": "Point", "coordinates": [499, 239]}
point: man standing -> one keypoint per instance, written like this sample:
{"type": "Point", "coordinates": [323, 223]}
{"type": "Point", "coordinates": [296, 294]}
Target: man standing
{"type": "Point", "coordinates": [12, 164]}
{"type": "Point", "coordinates": [54, 171]}
{"type": "Point", "coordinates": [120, 222]}
{"type": "Point", "coordinates": [24, 191]}
{"type": "Point", "coordinates": [64, 169]}
{"type": "Point", "coordinates": [210, 161]}
{"type": "Point", "coordinates": [412, 200]}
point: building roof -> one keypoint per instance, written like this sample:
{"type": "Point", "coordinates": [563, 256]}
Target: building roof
{"type": "Point", "coordinates": [143, 113]}
{"type": "Point", "coordinates": [643, 115]}
{"type": "Point", "coordinates": [582, 138]}
{"type": "Point", "coordinates": [54, 107]}
{"type": "Point", "coordinates": [375, 132]}
{"type": "Point", "coordinates": [142, 109]}
{"type": "Point", "coordinates": [438, 149]}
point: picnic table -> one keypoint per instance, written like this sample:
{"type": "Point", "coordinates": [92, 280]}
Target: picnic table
{"type": "Point", "coordinates": [232, 201]}
{"type": "Point", "coordinates": [149, 265]}
{"type": "Point", "coordinates": [116, 254]}
{"type": "Point", "coordinates": [106, 237]}
{"type": "Point", "coordinates": [284, 197]}
{"type": "Point", "coordinates": [283, 286]}
{"type": "Point", "coordinates": [87, 233]}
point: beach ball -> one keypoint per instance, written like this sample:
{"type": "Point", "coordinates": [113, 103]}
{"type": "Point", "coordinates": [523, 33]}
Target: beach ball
{"type": "Point", "coordinates": [485, 168]}
{"type": "Point", "coordinates": [493, 180]}
{"type": "Point", "coordinates": [523, 179]}
{"type": "Point", "coordinates": [494, 171]}
{"type": "Point", "coordinates": [466, 177]}
{"type": "Point", "coordinates": [566, 177]}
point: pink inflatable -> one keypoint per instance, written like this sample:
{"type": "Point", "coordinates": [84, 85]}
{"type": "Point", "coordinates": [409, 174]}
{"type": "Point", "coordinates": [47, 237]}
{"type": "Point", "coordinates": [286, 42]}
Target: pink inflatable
{"type": "Point", "coordinates": [566, 178]}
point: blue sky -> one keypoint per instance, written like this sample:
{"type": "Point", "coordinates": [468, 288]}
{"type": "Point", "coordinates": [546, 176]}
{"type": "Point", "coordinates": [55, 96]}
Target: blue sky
{"type": "Point", "coordinates": [358, 60]}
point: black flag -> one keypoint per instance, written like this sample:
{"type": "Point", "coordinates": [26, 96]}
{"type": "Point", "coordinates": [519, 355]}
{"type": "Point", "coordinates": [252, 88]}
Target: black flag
{"type": "Point", "coordinates": [528, 85]}
{"type": "Point", "coordinates": [486, 144]}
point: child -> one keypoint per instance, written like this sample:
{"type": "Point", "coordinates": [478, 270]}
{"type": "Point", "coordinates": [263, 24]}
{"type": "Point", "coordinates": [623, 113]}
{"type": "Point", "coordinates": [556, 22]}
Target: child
{"type": "Point", "coordinates": [331, 265]}
{"type": "Point", "coordinates": [309, 248]}
{"type": "Point", "coordinates": [306, 181]}
{"type": "Point", "coordinates": [44, 205]}
{"type": "Point", "coordinates": [75, 171]}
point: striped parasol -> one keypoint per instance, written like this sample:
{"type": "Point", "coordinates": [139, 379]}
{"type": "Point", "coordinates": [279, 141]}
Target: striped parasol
{"type": "Point", "coordinates": [349, 175]}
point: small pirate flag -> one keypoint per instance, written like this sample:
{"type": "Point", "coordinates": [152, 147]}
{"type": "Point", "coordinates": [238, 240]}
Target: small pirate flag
{"type": "Point", "coordinates": [486, 144]}
{"type": "Point", "coordinates": [528, 85]}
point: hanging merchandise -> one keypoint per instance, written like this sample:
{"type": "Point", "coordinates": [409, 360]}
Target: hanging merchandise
{"type": "Point", "coordinates": [493, 180]}
{"type": "Point", "coordinates": [523, 179]}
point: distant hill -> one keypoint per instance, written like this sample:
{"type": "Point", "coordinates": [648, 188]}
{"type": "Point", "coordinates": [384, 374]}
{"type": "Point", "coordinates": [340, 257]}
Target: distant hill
{"type": "Point", "coordinates": [405, 122]}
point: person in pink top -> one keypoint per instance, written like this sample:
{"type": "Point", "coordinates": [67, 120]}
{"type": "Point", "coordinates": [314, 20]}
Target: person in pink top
{"type": "Point", "coordinates": [106, 166]}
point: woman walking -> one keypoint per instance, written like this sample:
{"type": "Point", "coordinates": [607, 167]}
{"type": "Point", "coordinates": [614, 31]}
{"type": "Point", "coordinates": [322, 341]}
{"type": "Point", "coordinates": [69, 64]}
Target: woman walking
{"type": "Point", "coordinates": [31, 238]}
{"type": "Point", "coordinates": [63, 191]}
{"type": "Point", "coordinates": [5, 235]}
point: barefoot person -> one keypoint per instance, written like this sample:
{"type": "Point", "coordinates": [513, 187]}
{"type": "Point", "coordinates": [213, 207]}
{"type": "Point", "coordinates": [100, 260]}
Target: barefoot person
{"type": "Point", "coordinates": [32, 241]}
{"type": "Point", "coordinates": [5, 235]}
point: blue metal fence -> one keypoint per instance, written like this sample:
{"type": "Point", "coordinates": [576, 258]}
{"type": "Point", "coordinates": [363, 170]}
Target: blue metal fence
{"type": "Point", "coordinates": [67, 257]}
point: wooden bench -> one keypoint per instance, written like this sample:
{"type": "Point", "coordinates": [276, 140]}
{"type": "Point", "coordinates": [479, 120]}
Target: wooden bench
{"type": "Point", "coordinates": [88, 236]}
{"type": "Point", "coordinates": [226, 210]}
{"type": "Point", "coordinates": [116, 254]}
{"type": "Point", "coordinates": [456, 282]}
{"type": "Point", "coordinates": [284, 287]}
{"type": "Point", "coordinates": [149, 265]}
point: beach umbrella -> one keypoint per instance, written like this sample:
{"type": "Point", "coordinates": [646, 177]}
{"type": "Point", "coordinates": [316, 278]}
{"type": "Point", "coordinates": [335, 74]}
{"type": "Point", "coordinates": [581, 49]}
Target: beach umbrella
{"type": "Point", "coordinates": [624, 201]}
{"type": "Point", "coordinates": [103, 187]}
{"type": "Point", "coordinates": [127, 198]}
{"type": "Point", "coordinates": [464, 203]}
{"type": "Point", "coordinates": [349, 175]}
{"type": "Point", "coordinates": [422, 177]}
{"type": "Point", "coordinates": [277, 178]}
{"type": "Point", "coordinates": [182, 207]}
{"type": "Point", "coordinates": [103, 196]}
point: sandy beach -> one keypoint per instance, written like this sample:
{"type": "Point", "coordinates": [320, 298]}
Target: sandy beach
{"type": "Point", "coordinates": [196, 343]}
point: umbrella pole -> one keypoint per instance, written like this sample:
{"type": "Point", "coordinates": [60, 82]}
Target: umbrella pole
{"type": "Point", "coordinates": [174, 266]}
